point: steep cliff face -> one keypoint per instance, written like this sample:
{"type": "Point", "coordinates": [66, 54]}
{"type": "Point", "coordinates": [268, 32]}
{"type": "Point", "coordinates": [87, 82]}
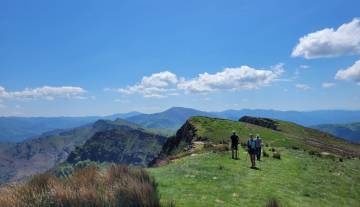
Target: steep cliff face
{"type": "Point", "coordinates": [184, 136]}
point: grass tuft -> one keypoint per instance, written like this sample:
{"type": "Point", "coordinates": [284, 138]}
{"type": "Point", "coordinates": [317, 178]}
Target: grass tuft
{"type": "Point", "coordinates": [117, 186]}
{"type": "Point", "coordinates": [265, 154]}
{"type": "Point", "coordinates": [277, 155]}
{"type": "Point", "coordinates": [272, 203]}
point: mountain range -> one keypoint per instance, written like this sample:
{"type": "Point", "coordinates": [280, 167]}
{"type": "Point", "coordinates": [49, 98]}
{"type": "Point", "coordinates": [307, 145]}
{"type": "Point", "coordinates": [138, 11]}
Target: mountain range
{"type": "Point", "coordinates": [16, 129]}
{"type": "Point", "coordinates": [18, 160]}
{"type": "Point", "coordinates": [347, 131]}
{"type": "Point", "coordinates": [193, 167]}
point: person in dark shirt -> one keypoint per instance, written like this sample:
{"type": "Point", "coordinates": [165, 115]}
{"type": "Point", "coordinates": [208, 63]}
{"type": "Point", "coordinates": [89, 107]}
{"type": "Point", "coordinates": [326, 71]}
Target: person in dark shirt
{"type": "Point", "coordinates": [234, 145]}
{"type": "Point", "coordinates": [251, 144]}
{"type": "Point", "coordinates": [258, 142]}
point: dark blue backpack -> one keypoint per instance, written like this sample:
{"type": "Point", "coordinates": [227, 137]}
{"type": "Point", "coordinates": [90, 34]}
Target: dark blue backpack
{"type": "Point", "coordinates": [252, 144]}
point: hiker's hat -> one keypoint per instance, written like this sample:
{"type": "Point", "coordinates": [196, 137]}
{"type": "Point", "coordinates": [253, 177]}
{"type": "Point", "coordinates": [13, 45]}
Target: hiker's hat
{"type": "Point", "coordinates": [233, 131]}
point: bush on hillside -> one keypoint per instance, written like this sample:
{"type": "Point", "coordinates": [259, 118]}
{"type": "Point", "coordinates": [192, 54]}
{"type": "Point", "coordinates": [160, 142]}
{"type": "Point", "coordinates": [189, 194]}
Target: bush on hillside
{"type": "Point", "coordinates": [272, 203]}
{"type": "Point", "coordinates": [277, 155]}
{"type": "Point", "coordinates": [117, 186]}
{"type": "Point", "coordinates": [316, 153]}
{"type": "Point", "coordinates": [265, 154]}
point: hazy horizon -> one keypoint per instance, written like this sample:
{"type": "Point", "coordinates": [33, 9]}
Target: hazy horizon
{"type": "Point", "coordinates": [126, 112]}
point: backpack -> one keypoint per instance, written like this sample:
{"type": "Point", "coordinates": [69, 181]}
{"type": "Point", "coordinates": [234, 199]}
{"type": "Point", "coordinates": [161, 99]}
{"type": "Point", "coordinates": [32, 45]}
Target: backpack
{"type": "Point", "coordinates": [252, 144]}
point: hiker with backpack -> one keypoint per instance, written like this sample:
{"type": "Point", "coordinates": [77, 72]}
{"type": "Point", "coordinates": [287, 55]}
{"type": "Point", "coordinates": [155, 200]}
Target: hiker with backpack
{"type": "Point", "coordinates": [234, 145]}
{"type": "Point", "coordinates": [251, 144]}
{"type": "Point", "coordinates": [258, 142]}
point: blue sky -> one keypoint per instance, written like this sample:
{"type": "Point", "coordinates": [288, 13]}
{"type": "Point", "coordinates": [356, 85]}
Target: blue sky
{"type": "Point", "coordinates": [96, 57]}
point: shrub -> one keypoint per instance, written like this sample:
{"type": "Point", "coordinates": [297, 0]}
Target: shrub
{"type": "Point", "coordinates": [316, 153]}
{"type": "Point", "coordinates": [295, 147]}
{"type": "Point", "coordinates": [272, 203]}
{"type": "Point", "coordinates": [265, 154]}
{"type": "Point", "coordinates": [116, 186]}
{"type": "Point", "coordinates": [277, 155]}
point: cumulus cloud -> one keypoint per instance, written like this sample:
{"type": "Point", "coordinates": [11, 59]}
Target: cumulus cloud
{"type": "Point", "coordinates": [351, 73]}
{"type": "Point", "coordinates": [157, 85]}
{"type": "Point", "coordinates": [327, 85]}
{"type": "Point", "coordinates": [164, 84]}
{"type": "Point", "coordinates": [45, 92]}
{"type": "Point", "coordinates": [302, 87]}
{"type": "Point", "coordinates": [243, 77]}
{"type": "Point", "coordinates": [330, 42]}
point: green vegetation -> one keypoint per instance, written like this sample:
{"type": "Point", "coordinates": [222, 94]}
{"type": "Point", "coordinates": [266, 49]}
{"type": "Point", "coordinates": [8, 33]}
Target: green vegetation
{"type": "Point", "coordinates": [289, 135]}
{"type": "Point", "coordinates": [111, 187]}
{"type": "Point", "coordinates": [300, 166]}
{"type": "Point", "coordinates": [213, 179]}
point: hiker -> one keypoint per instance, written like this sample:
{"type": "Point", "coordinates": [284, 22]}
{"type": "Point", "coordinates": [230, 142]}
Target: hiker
{"type": "Point", "coordinates": [251, 144]}
{"type": "Point", "coordinates": [234, 145]}
{"type": "Point", "coordinates": [258, 142]}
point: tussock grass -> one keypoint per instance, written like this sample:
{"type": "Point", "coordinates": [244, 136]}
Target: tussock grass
{"type": "Point", "coordinates": [277, 155]}
{"type": "Point", "coordinates": [88, 187]}
{"type": "Point", "coordinates": [273, 203]}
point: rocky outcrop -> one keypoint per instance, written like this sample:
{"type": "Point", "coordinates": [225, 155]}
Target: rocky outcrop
{"type": "Point", "coordinates": [182, 140]}
{"type": "Point", "coordinates": [263, 122]}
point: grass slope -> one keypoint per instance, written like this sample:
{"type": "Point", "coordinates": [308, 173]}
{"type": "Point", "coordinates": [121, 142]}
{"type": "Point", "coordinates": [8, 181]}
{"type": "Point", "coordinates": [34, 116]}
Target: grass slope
{"type": "Point", "coordinates": [298, 179]}
{"type": "Point", "coordinates": [311, 171]}
{"type": "Point", "coordinates": [289, 135]}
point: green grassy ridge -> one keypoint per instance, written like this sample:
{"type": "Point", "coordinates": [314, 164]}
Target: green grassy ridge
{"type": "Point", "coordinates": [289, 134]}
{"type": "Point", "coordinates": [298, 179]}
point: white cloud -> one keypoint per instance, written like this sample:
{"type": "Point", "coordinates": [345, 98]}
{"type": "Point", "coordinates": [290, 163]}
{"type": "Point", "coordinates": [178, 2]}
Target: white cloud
{"type": "Point", "coordinates": [304, 66]}
{"type": "Point", "coordinates": [164, 84]}
{"type": "Point", "coordinates": [330, 42]}
{"type": "Point", "coordinates": [45, 92]}
{"type": "Point", "coordinates": [327, 85]}
{"type": "Point", "coordinates": [157, 85]}
{"type": "Point", "coordinates": [123, 101]}
{"type": "Point", "coordinates": [243, 77]}
{"type": "Point", "coordinates": [303, 87]}
{"type": "Point", "coordinates": [351, 73]}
